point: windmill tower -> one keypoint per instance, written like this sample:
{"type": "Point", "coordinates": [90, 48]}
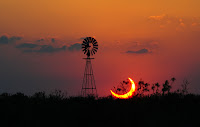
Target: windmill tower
{"type": "Point", "coordinates": [89, 47]}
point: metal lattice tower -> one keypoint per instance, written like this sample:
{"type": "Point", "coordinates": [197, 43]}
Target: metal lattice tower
{"type": "Point", "coordinates": [89, 47]}
{"type": "Point", "coordinates": [88, 86]}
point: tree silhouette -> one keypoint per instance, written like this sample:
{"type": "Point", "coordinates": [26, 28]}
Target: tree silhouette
{"type": "Point", "coordinates": [172, 82]}
{"type": "Point", "coordinates": [123, 87]}
{"type": "Point", "coordinates": [185, 86]}
{"type": "Point", "coordinates": [173, 79]}
{"type": "Point", "coordinates": [165, 87]}
{"type": "Point", "coordinates": [39, 95]}
{"type": "Point", "coordinates": [153, 87]}
{"type": "Point", "coordinates": [57, 95]}
{"type": "Point", "coordinates": [157, 87]}
{"type": "Point", "coordinates": [146, 87]}
{"type": "Point", "coordinates": [142, 88]}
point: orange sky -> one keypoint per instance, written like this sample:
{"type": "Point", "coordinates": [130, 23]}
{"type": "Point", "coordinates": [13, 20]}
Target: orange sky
{"type": "Point", "coordinates": [169, 30]}
{"type": "Point", "coordinates": [74, 18]}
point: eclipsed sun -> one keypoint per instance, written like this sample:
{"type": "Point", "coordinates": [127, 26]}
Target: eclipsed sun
{"type": "Point", "coordinates": [126, 95]}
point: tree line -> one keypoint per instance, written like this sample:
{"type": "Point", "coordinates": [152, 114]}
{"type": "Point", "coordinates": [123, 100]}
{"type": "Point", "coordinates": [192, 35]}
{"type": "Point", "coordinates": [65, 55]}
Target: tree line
{"type": "Point", "coordinates": [144, 88]}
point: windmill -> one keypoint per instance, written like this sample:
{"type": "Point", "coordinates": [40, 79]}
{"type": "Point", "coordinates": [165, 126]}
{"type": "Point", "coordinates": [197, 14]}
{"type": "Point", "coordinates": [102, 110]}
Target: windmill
{"type": "Point", "coordinates": [89, 47]}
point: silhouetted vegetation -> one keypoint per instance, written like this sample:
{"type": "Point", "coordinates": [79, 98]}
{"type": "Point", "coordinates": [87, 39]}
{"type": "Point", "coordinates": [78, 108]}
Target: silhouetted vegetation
{"type": "Point", "coordinates": [151, 105]}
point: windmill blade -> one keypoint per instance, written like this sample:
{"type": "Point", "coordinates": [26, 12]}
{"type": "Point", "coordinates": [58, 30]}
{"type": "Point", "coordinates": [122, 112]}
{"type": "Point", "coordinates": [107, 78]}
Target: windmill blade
{"type": "Point", "coordinates": [84, 44]}
{"type": "Point", "coordinates": [90, 38]}
{"type": "Point", "coordinates": [94, 42]}
{"type": "Point", "coordinates": [85, 40]}
{"type": "Point", "coordinates": [84, 49]}
{"type": "Point", "coordinates": [94, 50]}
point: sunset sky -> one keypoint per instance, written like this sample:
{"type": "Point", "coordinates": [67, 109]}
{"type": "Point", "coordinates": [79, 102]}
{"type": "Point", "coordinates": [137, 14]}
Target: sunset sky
{"type": "Point", "coordinates": [152, 40]}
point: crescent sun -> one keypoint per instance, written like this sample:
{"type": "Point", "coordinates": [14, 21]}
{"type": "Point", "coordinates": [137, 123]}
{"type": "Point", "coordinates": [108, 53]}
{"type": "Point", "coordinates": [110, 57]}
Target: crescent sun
{"type": "Point", "coordinates": [126, 95]}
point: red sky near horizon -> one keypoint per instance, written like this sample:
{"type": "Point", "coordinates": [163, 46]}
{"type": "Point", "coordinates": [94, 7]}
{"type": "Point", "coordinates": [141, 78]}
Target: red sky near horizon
{"type": "Point", "coordinates": [151, 40]}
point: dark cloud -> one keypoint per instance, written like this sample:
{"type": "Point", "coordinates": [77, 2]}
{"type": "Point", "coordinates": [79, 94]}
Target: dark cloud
{"type": "Point", "coordinates": [40, 40]}
{"type": "Point", "coordinates": [14, 38]}
{"type": "Point", "coordinates": [75, 47]}
{"type": "Point", "coordinates": [141, 51]}
{"type": "Point", "coordinates": [46, 49]}
{"type": "Point", "coordinates": [49, 48]}
{"type": "Point", "coordinates": [53, 40]}
{"type": "Point", "coordinates": [27, 45]}
{"type": "Point", "coordinates": [33, 47]}
{"type": "Point", "coordinates": [6, 40]}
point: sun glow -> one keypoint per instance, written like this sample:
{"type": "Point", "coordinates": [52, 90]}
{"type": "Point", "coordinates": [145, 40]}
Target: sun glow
{"type": "Point", "coordinates": [126, 95]}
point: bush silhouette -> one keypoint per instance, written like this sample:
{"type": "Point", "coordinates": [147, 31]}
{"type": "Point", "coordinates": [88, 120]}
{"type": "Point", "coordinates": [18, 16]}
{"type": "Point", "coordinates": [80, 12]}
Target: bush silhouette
{"type": "Point", "coordinates": [144, 109]}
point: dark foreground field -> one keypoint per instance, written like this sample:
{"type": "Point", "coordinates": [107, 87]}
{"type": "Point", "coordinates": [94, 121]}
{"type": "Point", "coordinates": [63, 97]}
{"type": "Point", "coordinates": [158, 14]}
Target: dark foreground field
{"type": "Point", "coordinates": [56, 111]}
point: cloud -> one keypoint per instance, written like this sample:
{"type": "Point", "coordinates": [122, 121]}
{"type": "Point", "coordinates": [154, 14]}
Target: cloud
{"type": "Point", "coordinates": [53, 40]}
{"type": "Point", "coordinates": [195, 24]}
{"type": "Point", "coordinates": [165, 21]}
{"type": "Point", "coordinates": [49, 48]}
{"type": "Point", "coordinates": [48, 39]}
{"type": "Point", "coordinates": [158, 18]}
{"type": "Point", "coordinates": [148, 43]}
{"type": "Point", "coordinates": [40, 40]}
{"type": "Point", "coordinates": [6, 40]}
{"type": "Point", "coordinates": [82, 38]}
{"type": "Point", "coordinates": [45, 49]}
{"type": "Point", "coordinates": [14, 38]}
{"type": "Point", "coordinates": [27, 45]}
{"type": "Point", "coordinates": [141, 51]}
{"type": "Point", "coordinates": [76, 47]}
